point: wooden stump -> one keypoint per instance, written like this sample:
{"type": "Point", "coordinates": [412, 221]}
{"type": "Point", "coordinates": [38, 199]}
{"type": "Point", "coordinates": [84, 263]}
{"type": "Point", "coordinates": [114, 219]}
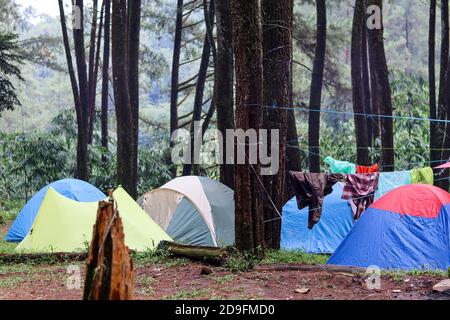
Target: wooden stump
{"type": "Point", "coordinates": [109, 274]}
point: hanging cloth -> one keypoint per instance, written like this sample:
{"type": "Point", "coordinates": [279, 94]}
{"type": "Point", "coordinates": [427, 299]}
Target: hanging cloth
{"type": "Point", "coordinates": [423, 176]}
{"type": "Point", "coordinates": [365, 169]}
{"type": "Point", "coordinates": [360, 189]}
{"type": "Point", "coordinates": [310, 190]}
{"type": "Point", "coordinates": [392, 180]}
{"type": "Point", "coordinates": [340, 167]}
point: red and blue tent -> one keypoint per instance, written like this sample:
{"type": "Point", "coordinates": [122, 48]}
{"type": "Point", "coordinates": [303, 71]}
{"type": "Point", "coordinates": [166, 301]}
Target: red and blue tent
{"type": "Point", "coordinates": [407, 229]}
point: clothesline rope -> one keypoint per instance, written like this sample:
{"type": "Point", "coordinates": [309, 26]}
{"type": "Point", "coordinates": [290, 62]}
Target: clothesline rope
{"type": "Point", "coordinates": [348, 113]}
{"type": "Point", "coordinates": [410, 164]}
{"type": "Point", "coordinates": [358, 148]}
{"type": "Point", "coordinates": [312, 210]}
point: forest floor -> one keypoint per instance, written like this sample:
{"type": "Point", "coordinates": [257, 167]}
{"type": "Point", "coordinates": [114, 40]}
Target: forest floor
{"type": "Point", "coordinates": [164, 278]}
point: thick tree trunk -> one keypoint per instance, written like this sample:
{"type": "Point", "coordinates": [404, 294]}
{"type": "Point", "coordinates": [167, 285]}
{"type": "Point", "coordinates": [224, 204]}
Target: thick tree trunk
{"type": "Point", "coordinates": [109, 272]}
{"type": "Point", "coordinates": [176, 72]}
{"type": "Point", "coordinates": [384, 92]}
{"type": "Point", "coordinates": [224, 82]}
{"type": "Point", "coordinates": [277, 17]}
{"type": "Point", "coordinates": [121, 95]}
{"type": "Point", "coordinates": [247, 37]}
{"type": "Point", "coordinates": [357, 84]}
{"type": "Point", "coordinates": [105, 76]}
{"type": "Point", "coordinates": [134, 29]}
{"type": "Point", "coordinates": [316, 87]}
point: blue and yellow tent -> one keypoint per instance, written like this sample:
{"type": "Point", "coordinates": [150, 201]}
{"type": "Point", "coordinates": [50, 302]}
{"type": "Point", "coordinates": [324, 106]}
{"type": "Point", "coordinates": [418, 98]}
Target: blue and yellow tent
{"type": "Point", "coordinates": [72, 189]}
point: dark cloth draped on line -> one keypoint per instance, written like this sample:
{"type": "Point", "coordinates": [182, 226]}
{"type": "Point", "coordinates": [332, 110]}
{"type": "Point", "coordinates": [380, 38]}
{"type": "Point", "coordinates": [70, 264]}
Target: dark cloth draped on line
{"type": "Point", "coordinates": [360, 189]}
{"type": "Point", "coordinates": [310, 190]}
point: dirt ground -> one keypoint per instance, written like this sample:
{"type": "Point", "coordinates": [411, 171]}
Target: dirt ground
{"type": "Point", "coordinates": [185, 282]}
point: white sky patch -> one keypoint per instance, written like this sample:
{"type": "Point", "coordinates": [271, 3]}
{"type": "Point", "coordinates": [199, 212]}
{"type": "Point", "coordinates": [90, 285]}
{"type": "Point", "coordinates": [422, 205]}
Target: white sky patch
{"type": "Point", "coordinates": [49, 7]}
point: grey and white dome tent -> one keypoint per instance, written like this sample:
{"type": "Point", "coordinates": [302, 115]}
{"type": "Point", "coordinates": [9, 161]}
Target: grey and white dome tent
{"type": "Point", "coordinates": [194, 210]}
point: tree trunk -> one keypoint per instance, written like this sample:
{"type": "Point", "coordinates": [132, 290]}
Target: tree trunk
{"type": "Point", "coordinates": [293, 155]}
{"type": "Point", "coordinates": [277, 17]}
{"type": "Point", "coordinates": [434, 127]}
{"type": "Point", "coordinates": [92, 81]}
{"type": "Point", "coordinates": [247, 37]}
{"type": "Point", "coordinates": [79, 88]}
{"type": "Point", "coordinates": [134, 29]}
{"type": "Point", "coordinates": [109, 272]}
{"type": "Point", "coordinates": [444, 93]}
{"type": "Point", "coordinates": [384, 92]}
{"type": "Point", "coordinates": [93, 113]}
{"type": "Point", "coordinates": [224, 78]}
{"type": "Point", "coordinates": [366, 83]}
{"type": "Point", "coordinates": [357, 84]}
{"type": "Point", "coordinates": [105, 75]}
{"type": "Point", "coordinates": [316, 87]}
{"type": "Point", "coordinates": [176, 72]}
{"type": "Point", "coordinates": [198, 101]}
{"type": "Point", "coordinates": [122, 95]}
{"type": "Point", "coordinates": [374, 98]}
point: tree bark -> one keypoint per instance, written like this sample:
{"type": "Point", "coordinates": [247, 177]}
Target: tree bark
{"type": "Point", "coordinates": [92, 81]}
{"type": "Point", "coordinates": [293, 159]}
{"type": "Point", "coordinates": [384, 92]}
{"type": "Point", "coordinates": [316, 87]}
{"type": "Point", "coordinates": [224, 82]}
{"type": "Point", "coordinates": [105, 76]}
{"type": "Point", "coordinates": [198, 101]}
{"type": "Point", "coordinates": [77, 85]}
{"type": "Point", "coordinates": [109, 272]}
{"type": "Point", "coordinates": [122, 94]}
{"type": "Point", "coordinates": [247, 37]}
{"type": "Point", "coordinates": [434, 127]}
{"type": "Point", "coordinates": [277, 17]}
{"type": "Point", "coordinates": [134, 29]}
{"type": "Point", "coordinates": [366, 83]}
{"type": "Point", "coordinates": [374, 98]}
{"type": "Point", "coordinates": [176, 72]}
{"type": "Point", "coordinates": [357, 84]}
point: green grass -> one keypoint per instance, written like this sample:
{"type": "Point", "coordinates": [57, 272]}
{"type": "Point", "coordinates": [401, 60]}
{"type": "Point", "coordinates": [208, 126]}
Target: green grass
{"type": "Point", "coordinates": [12, 281]}
{"type": "Point", "coordinates": [8, 212]}
{"type": "Point", "coordinates": [145, 284]}
{"type": "Point", "coordinates": [189, 295]}
{"type": "Point", "coordinates": [402, 275]}
{"type": "Point", "coordinates": [225, 279]}
{"type": "Point", "coordinates": [158, 256]}
{"type": "Point", "coordinates": [274, 257]}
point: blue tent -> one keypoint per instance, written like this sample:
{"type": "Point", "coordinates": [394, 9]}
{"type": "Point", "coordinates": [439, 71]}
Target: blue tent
{"type": "Point", "coordinates": [72, 189]}
{"type": "Point", "coordinates": [327, 235]}
{"type": "Point", "coordinates": [408, 229]}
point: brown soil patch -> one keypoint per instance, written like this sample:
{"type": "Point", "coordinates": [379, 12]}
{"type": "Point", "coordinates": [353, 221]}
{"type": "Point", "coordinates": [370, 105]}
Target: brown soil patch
{"type": "Point", "coordinates": [157, 282]}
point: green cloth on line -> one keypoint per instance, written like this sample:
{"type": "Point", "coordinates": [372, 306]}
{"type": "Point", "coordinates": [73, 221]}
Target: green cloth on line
{"type": "Point", "coordinates": [423, 176]}
{"type": "Point", "coordinates": [343, 167]}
